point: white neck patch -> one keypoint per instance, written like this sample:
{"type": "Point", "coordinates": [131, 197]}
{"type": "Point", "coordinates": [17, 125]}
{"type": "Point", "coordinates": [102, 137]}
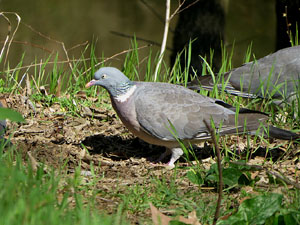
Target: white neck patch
{"type": "Point", "coordinates": [124, 97]}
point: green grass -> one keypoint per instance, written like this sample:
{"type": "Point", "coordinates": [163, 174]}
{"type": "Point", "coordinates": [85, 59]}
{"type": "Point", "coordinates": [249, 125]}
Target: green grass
{"type": "Point", "coordinates": [38, 197]}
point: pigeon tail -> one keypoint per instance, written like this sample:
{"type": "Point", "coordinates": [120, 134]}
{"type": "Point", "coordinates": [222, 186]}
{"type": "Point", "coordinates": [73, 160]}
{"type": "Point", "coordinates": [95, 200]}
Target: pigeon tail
{"type": "Point", "coordinates": [278, 133]}
{"type": "Point", "coordinates": [206, 83]}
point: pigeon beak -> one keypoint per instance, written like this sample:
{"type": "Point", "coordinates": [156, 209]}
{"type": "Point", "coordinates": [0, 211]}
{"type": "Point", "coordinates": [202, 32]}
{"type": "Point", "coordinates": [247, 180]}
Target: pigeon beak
{"type": "Point", "coordinates": [91, 83]}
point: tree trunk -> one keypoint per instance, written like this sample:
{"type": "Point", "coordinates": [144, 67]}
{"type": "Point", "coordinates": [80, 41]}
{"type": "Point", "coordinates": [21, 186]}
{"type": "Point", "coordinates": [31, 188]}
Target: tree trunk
{"type": "Point", "coordinates": [202, 23]}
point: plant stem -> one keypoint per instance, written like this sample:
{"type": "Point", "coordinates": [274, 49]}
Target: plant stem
{"type": "Point", "coordinates": [214, 139]}
{"type": "Point", "coordinates": [165, 38]}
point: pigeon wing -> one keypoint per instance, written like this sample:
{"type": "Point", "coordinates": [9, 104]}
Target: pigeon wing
{"type": "Point", "coordinates": [163, 109]}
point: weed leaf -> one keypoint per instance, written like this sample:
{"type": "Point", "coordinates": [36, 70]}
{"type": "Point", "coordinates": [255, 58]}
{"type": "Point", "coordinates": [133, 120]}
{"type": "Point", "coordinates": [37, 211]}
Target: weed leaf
{"type": "Point", "coordinates": [195, 177]}
{"type": "Point", "coordinates": [255, 210]}
{"type": "Point", "coordinates": [10, 114]}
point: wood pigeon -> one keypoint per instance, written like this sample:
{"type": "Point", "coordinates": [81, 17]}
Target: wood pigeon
{"type": "Point", "coordinates": [275, 76]}
{"type": "Point", "coordinates": [159, 113]}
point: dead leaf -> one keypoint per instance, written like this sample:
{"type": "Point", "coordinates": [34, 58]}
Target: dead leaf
{"type": "Point", "coordinates": [243, 199]}
{"type": "Point", "coordinates": [254, 174]}
{"type": "Point", "coordinates": [33, 162]}
{"type": "Point", "coordinates": [28, 86]}
{"type": "Point", "coordinates": [81, 94]}
{"type": "Point", "coordinates": [226, 216]}
{"type": "Point", "coordinates": [58, 88]}
{"type": "Point", "coordinates": [192, 218]}
{"type": "Point", "coordinates": [258, 160]}
{"type": "Point", "coordinates": [81, 154]}
{"type": "Point", "coordinates": [3, 101]}
{"type": "Point", "coordinates": [159, 218]}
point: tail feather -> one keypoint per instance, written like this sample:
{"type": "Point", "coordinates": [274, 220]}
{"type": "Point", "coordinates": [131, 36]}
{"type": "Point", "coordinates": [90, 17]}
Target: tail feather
{"type": "Point", "coordinates": [255, 123]}
{"type": "Point", "coordinates": [206, 83]}
{"type": "Point", "coordinates": [278, 133]}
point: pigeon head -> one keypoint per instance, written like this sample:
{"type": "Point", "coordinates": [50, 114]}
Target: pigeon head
{"type": "Point", "coordinates": [112, 79]}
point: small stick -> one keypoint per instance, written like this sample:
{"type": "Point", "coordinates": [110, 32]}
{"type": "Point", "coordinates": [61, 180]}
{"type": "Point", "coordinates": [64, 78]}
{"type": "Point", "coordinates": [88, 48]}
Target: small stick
{"type": "Point", "coordinates": [188, 6]}
{"type": "Point", "coordinates": [75, 60]}
{"type": "Point", "coordinates": [165, 38]}
{"type": "Point", "coordinates": [78, 45]}
{"type": "Point", "coordinates": [138, 39]}
{"type": "Point", "coordinates": [161, 19]}
{"type": "Point", "coordinates": [30, 44]}
{"type": "Point", "coordinates": [7, 36]}
{"type": "Point", "coordinates": [178, 8]}
{"type": "Point", "coordinates": [9, 32]}
{"type": "Point", "coordinates": [220, 191]}
{"type": "Point", "coordinates": [114, 56]}
{"type": "Point", "coordinates": [58, 42]}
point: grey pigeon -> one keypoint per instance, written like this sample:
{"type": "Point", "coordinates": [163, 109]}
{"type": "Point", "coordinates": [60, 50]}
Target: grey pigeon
{"type": "Point", "coordinates": [152, 111]}
{"type": "Point", "coordinates": [2, 126]}
{"type": "Point", "coordinates": [275, 76]}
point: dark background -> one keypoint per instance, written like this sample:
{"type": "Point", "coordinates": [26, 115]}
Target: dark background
{"type": "Point", "coordinates": [74, 22]}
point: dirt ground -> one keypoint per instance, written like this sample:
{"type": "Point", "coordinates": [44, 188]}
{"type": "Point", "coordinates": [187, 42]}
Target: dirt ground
{"type": "Point", "coordinates": [53, 137]}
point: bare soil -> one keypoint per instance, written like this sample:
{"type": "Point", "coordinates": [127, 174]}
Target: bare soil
{"type": "Point", "coordinates": [57, 139]}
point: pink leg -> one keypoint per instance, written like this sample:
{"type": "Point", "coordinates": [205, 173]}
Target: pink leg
{"type": "Point", "coordinates": [176, 153]}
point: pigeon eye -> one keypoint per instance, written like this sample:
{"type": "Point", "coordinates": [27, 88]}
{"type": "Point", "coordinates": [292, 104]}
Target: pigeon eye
{"type": "Point", "coordinates": [103, 76]}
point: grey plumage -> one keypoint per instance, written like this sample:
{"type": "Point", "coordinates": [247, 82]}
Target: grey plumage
{"type": "Point", "coordinates": [275, 76]}
{"type": "Point", "coordinates": [151, 111]}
